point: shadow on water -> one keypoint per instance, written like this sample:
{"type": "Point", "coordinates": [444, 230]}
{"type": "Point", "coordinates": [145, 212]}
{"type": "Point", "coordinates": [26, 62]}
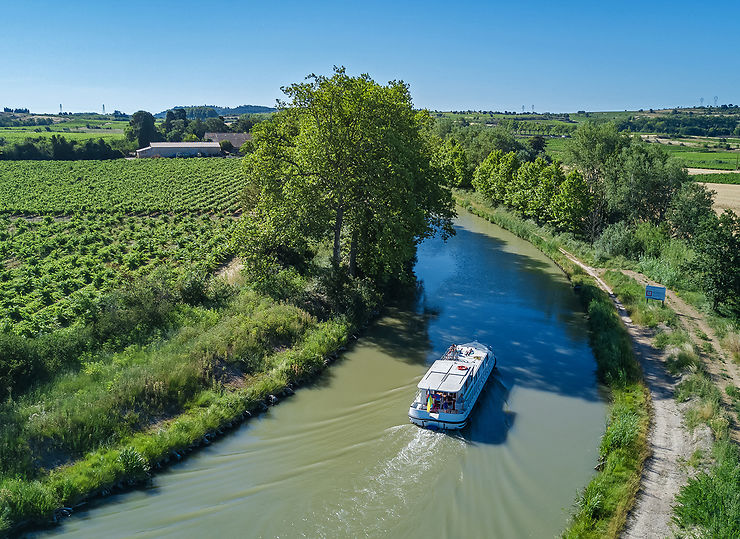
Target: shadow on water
{"type": "Point", "coordinates": [491, 419]}
{"type": "Point", "coordinates": [518, 304]}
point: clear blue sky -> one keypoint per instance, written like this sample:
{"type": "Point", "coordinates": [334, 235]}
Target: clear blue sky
{"type": "Point", "coordinates": [557, 56]}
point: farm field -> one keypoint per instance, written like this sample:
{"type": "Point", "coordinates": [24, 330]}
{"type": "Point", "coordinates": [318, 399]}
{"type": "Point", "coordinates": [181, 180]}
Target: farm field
{"type": "Point", "coordinates": [727, 198]}
{"type": "Point", "coordinates": [14, 135]}
{"type": "Point", "coordinates": [72, 231]}
{"type": "Point", "coordinates": [696, 158]}
{"type": "Point", "coordinates": [714, 177]}
{"type": "Point", "coordinates": [132, 186]}
{"type": "Point", "coordinates": [556, 147]}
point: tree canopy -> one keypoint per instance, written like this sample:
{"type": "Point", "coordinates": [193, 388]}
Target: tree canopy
{"type": "Point", "coordinates": [349, 160]}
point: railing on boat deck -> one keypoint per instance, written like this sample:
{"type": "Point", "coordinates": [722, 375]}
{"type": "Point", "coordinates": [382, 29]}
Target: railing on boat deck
{"type": "Point", "coordinates": [422, 406]}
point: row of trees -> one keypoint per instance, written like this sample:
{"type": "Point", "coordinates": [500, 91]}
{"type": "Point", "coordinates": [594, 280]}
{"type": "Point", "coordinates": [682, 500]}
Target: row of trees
{"type": "Point", "coordinates": [536, 189]}
{"type": "Point", "coordinates": [627, 198]}
{"type": "Point", "coordinates": [683, 124]}
{"type": "Point", "coordinates": [350, 161]}
{"type": "Point", "coordinates": [30, 121]}
{"type": "Point", "coordinates": [57, 147]}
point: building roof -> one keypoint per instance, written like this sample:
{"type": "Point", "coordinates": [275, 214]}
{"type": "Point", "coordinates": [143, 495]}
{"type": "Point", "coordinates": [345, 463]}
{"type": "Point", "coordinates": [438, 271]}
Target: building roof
{"type": "Point", "coordinates": [184, 145]}
{"type": "Point", "coordinates": [236, 139]}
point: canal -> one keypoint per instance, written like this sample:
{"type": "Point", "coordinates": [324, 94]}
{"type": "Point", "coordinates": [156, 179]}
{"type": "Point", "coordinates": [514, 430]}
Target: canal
{"type": "Point", "coordinates": [340, 459]}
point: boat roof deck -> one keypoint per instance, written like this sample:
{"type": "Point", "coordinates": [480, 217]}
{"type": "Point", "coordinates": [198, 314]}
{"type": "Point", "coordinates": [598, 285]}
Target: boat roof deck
{"type": "Point", "coordinates": [446, 376]}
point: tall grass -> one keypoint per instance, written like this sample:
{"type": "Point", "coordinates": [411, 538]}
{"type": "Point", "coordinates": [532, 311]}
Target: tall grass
{"type": "Point", "coordinates": [711, 500]}
{"type": "Point", "coordinates": [123, 412]}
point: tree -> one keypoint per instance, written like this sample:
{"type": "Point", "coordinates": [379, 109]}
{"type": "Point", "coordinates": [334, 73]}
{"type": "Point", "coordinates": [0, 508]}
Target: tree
{"type": "Point", "coordinates": [141, 129]}
{"type": "Point", "coordinates": [689, 208]}
{"type": "Point", "coordinates": [550, 180]}
{"type": "Point", "coordinates": [454, 161]}
{"type": "Point", "coordinates": [348, 159]}
{"type": "Point", "coordinates": [572, 203]}
{"type": "Point", "coordinates": [592, 150]}
{"type": "Point", "coordinates": [640, 182]}
{"type": "Point", "coordinates": [537, 143]}
{"type": "Point", "coordinates": [716, 267]}
{"type": "Point", "coordinates": [216, 125]}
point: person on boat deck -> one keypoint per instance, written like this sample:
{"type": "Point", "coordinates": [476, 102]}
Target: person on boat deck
{"type": "Point", "coordinates": [444, 405]}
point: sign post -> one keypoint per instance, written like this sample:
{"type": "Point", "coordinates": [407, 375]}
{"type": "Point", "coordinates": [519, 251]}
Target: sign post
{"type": "Point", "coordinates": [655, 292]}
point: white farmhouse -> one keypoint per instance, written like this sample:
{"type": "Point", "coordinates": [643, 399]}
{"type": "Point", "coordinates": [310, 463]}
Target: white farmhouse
{"type": "Point", "coordinates": [180, 149]}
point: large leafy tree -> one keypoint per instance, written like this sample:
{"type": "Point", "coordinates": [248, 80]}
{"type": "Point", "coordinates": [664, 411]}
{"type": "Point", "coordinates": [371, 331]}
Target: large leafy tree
{"type": "Point", "coordinates": [345, 159]}
{"type": "Point", "coordinates": [717, 263]}
{"type": "Point", "coordinates": [689, 208]}
{"type": "Point", "coordinates": [454, 161]}
{"type": "Point", "coordinates": [572, 203]}
{"type": "Point", "coordinates": [640, 183]}
{"type": "Point", "coordinates": [593, 149]}
{"type": "Point", "coordinates": [141, 129]}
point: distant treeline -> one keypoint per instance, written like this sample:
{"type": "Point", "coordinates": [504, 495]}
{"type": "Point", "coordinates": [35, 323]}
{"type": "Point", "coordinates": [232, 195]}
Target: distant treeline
{"type": "Point", "coordinates": [13, 121]}
{"type": "Point", "coordinates": [683, 124]}
{"type": "Point", "coordinates": [213, 111]}
{"type": "Point", "coordinates": [58, 148]}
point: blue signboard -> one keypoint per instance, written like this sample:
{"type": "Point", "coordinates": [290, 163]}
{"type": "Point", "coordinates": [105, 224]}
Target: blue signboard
{"type": "Point", "coordinates": [655, 292]}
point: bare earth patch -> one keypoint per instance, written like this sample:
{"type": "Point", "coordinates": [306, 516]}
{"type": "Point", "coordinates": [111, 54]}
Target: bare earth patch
{"type": "Point", "coordinates": [728, 196]}
{"type": "Point", "coordinates": [694, 171]}
{"type": "Point", "coordinates": [231, 271]}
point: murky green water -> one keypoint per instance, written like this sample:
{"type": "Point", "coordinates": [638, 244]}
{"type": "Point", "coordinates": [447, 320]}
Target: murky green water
{"type": "Point", "coordinates": [340, 459]}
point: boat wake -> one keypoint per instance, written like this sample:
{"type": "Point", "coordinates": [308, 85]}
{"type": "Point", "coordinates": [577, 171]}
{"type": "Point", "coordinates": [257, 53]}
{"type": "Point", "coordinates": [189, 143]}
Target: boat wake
{"type": "Point", "coordinates": [384, 492]}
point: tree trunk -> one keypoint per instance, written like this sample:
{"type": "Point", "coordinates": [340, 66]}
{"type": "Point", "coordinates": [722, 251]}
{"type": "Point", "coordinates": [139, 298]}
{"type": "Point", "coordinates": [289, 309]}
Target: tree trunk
{"type": "Point", "coordinates": [353, 254]}
{"type": "Point", "coordinates": [337, 258]}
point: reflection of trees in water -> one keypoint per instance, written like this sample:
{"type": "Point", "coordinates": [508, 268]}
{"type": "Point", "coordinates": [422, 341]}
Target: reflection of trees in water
{"type": "Point", "coordinates": [513, 302]}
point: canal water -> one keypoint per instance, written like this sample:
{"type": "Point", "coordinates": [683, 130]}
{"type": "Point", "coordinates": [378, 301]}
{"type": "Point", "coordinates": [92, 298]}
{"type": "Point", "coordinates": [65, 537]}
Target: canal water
{"type": "Point", "coordinates": [340, 459]}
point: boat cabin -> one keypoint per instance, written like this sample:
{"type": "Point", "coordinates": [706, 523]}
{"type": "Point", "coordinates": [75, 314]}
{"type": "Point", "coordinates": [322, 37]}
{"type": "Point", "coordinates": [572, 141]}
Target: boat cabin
{"type": "Point", "coordinates": [444, 386]}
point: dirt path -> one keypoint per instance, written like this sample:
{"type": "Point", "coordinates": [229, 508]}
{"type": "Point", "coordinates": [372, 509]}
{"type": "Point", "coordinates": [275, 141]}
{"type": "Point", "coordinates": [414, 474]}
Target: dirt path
{"type": "Point", "coordinates": [671, 443]}
{"type": "Point", "coordinates": [694, 171]}
{"type": "Point", "coordinates": [721, 369]}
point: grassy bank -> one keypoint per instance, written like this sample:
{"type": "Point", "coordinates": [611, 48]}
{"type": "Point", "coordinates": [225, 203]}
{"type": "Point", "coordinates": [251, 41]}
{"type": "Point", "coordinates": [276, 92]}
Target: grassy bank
{"type": "Point", "coordinates": [108, 422]}
{"type": "Point", "coordinates": [601, 508]}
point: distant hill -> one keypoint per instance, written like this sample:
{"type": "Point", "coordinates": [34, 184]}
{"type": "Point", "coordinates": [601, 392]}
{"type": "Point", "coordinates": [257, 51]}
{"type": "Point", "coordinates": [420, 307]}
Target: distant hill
{"type": "Point", "coordinates": [211, 111]}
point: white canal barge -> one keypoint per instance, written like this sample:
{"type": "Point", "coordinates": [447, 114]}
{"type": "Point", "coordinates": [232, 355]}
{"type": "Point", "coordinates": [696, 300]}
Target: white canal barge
{"type": "Point", "coordinates": [451, 386]}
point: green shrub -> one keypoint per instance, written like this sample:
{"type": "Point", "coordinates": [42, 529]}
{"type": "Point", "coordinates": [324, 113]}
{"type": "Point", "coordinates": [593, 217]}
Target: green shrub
{"type": "Point", "coordinates": [685, 359]}
{"type": "Point", "coordinates": [133, 463]}
{"type": "Point", "coordinates": [622, 430]}
{"type": "Point", "coordinates": [616, 239]}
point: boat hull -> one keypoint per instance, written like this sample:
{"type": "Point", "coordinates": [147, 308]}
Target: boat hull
{"type": "Point", "coordinates": [427, 420]}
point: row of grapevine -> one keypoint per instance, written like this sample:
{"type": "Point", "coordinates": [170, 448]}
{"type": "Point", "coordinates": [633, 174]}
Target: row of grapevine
{"type": "Point", "coordinates": [130, 186]}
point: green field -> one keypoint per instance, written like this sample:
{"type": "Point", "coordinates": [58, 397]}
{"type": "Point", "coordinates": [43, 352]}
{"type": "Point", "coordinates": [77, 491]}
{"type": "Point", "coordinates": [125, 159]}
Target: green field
{"type": "Point", "coordinates": [556, 148]}
{"type": "Point", "coordinates": [53, 268]}
{"type": "Point", "coordinates": [132, 186]}
{"type": "Point", "coordinates": [14, 135]}
{"type": "Point", "coordinates": [729, 178]}
{"type": "Point", "coordinates": [72, 128]}
{"type": "Point", "coordinates": [694, 157]}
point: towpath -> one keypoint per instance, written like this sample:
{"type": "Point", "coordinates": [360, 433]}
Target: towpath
{"type": "Point", "coordinates": [671, 444]}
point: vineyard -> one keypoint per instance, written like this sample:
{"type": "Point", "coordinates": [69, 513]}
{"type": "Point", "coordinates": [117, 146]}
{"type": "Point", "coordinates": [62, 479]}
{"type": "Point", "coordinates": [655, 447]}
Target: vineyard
{"type": "Point", "coordinates": [131, 186]}
{"type": "Point", "coordinates": [71, 231]}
